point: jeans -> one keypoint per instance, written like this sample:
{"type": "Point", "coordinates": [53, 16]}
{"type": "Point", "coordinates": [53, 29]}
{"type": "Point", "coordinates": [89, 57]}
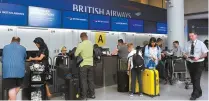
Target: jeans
{"type": "Point", "coordinates": [136, 73]}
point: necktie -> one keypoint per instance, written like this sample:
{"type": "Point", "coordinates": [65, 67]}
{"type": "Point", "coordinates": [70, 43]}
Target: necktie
{"type": "Point", "coordinates": [192, 49]}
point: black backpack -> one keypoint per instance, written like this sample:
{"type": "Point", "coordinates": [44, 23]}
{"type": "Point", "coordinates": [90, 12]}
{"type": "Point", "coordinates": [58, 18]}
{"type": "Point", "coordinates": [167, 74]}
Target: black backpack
{"type": "Point", "coordinates": [97, 54]}
{"type": "Point", "coordinates": [138, 60]}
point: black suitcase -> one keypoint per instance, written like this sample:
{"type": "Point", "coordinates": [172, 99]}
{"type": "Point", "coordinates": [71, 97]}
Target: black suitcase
{"type": "Point", "coordinates": [122, 78]}
{"type": "Point", "coordinates": [38, 92]}
{"type": "Point", "coordinates": [123, 81]}
{"type": "Point", "coordinates": [72, 89]}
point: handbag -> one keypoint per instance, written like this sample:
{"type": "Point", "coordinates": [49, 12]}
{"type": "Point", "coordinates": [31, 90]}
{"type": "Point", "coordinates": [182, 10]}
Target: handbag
{"type": "Point", "coordinates": [151, 64]}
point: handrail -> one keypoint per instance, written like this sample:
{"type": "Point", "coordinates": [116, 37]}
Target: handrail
{"type": "Point", "coordinates": [55, 57]}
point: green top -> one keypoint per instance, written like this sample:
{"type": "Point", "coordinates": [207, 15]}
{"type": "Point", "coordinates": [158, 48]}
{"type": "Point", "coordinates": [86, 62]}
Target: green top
{"type": "Point", "coordinates": [85, 50]}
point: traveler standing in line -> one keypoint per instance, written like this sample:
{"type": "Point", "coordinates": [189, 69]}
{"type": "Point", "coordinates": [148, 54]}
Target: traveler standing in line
{"type": "Point", "coordinates": [152, 52]}
{"type": "Point", "coordinates": [13, 61]}
{"type": "Point", "coordinates": [160, 44]}
{"type": "Point", "coordinates": [177, 50]}
{"type": "Point", "coordinates": [60, 59]}
{"type": "Point", "coordinates": [195, 52]}
{"type": "Point", "coordinates": [122, 52]}
{"type": "Point", "coordinates": [135, 68]}
{"type": "Point", "coordinates": [42, 56]}
{"type": "Point", "coordinates": [64, 51]}
{"type": "Point", "coordinates": [85, 50]}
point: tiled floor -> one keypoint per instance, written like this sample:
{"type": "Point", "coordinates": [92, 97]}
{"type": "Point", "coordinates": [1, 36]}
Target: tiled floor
{"type": "Point", "coordinates": [167, 92]}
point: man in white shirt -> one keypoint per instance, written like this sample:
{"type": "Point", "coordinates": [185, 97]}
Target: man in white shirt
{"type": "Point", "coordinates": [195, 52]}
{"type": "Point", "coordinates": [134, 68]}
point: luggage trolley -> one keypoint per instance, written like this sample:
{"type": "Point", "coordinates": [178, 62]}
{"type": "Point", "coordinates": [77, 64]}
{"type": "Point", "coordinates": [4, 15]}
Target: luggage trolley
{"type": "Point", "coordinates": [179, 66]}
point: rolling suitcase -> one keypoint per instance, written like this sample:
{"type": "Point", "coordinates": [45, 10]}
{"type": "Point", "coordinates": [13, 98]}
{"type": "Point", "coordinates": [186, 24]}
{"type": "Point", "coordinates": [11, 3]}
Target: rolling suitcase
{"type": "Point", "coordinates": [38, 92]}
{"type": "Point", "coordinates": [72, 89]}
{"type": "Point", "coordinates": [137, 84]}
{"type": "Point", "coordinates": [122, 78]}
{"type": "Point", "coordinates": [123, 84]}
{"type": "Point", "coordinates": [150, 82]}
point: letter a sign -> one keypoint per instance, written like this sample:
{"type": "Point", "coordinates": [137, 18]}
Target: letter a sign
{"type": "Point", "coordinates": [100, 39]}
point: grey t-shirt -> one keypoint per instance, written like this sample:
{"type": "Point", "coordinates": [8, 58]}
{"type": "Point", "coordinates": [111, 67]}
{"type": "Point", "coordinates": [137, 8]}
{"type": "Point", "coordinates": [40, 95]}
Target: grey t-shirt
{"type": "Point", "coordinates": [178, 51]}
{"type": "Point", "coordinates": [123, 52]}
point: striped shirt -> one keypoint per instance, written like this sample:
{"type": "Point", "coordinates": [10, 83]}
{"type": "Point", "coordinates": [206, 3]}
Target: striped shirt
{"type": "Point", "coordinates": [13, 61]}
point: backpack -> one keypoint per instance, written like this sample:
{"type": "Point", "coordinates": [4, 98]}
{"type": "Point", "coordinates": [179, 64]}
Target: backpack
{"type": "Point", "coordinates": [97, 54]}
{"type": "Point", "coordinates": [138, 60]}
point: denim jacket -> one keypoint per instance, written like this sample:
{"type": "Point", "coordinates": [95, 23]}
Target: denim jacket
{"type": "Point", "coordinates": [147, 55]}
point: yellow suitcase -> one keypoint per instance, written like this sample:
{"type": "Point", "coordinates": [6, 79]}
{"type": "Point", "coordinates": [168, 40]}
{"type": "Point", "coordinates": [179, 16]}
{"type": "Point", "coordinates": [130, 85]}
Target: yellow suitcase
{"type": "Point", "coordinates": [150, 82]}
{"type": "Point", "coordinates": [137, 84]}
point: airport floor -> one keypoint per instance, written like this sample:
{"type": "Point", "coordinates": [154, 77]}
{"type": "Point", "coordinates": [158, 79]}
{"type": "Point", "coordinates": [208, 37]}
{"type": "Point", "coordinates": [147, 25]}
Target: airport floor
{"type": "Point", "coordinates": [167, 92]}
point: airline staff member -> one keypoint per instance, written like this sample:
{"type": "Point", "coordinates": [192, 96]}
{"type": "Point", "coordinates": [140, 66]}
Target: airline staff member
{"type": "Point", "coordinates": [195, 52]}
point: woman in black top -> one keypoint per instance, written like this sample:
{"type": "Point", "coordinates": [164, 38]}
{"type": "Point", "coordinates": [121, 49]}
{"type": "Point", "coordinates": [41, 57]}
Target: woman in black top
{"type": "Point", "coordinates": [42, 56]}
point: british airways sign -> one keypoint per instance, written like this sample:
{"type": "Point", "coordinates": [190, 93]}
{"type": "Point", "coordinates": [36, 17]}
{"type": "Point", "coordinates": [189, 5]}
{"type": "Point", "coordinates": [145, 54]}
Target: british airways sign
{"type": "Point", "coordinates": [99, 22]}
{"type": "Point", "coordinates": [119, 24]}
{"type": "Point", "coordinates": [75, 20]}
{"type": "Point", "coordinates": [101, 11]}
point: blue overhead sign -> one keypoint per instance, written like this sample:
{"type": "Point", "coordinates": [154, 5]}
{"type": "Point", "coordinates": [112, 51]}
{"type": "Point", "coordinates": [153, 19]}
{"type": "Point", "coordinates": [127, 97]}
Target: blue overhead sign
{"type": "Point", "coordinates": [75, 20]}
{"type": "Point", "coordinates": [136, 25]}
{"type": "Point", "coordinates": [119, 24]}
{"type": "Point", "coordinates": [44, 17]}
{"type": "Point", "coordinates": [162, 28]}
{"type": "Point", "coordinates": [114, 8]}
{"type": "Point", "coordinates": [150, 27]}
{"type": "Point", "coordinates": [99, 22]}
{"type": "Point", "coordinates": [11, 14]}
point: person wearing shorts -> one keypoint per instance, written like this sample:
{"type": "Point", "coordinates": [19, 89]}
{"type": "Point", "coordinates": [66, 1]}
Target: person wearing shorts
{"type": "Point", "coordinates": [13, 63]}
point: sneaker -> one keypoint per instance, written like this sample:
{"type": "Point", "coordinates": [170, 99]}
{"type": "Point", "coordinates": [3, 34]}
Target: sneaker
{"type": "Point", "coordinates": [92, 97]}
{"type": "Point", "coordinates": [132, 94]}
{"type": "Point", "coordinates": [193, 98]}
{"type": "Point", "coordinates": [140, 94]}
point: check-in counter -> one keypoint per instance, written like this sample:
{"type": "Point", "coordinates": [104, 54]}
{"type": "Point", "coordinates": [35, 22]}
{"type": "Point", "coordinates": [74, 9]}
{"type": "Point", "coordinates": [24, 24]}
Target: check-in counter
{"type": "Point", "coordinates": [1, 98]}
{"type": "Point", "coordinates": [105, 72]}
{"type": "Point", "coordinates": [110, 64]}
{"type": "Point", "coordinates": [98, 75]}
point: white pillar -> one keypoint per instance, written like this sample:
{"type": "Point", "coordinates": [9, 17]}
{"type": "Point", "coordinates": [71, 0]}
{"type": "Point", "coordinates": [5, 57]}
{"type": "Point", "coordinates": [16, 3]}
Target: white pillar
{"type": "Point", "coordinates": [175, 20]}
{"type": "Point", "coordinates": [186, 31]}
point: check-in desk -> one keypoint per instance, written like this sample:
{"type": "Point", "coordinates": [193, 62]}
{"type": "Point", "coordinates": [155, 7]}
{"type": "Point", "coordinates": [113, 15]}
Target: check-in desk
{"type": "Point", "coordinates": [105, 73]}
{"type": "Point", "coordinates": [1, 98]}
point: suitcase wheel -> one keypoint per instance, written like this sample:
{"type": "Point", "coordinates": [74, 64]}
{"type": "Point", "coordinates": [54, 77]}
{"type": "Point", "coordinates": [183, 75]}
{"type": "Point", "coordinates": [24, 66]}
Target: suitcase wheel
{"type": "Point", "coordinates": [158, 95]}
{"type": "Point", "coordinates": [171, 82]}
{"type": "Point", "coordinates": [186, 87]}
{"type": "Point", "coordinates": [152, 96]}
